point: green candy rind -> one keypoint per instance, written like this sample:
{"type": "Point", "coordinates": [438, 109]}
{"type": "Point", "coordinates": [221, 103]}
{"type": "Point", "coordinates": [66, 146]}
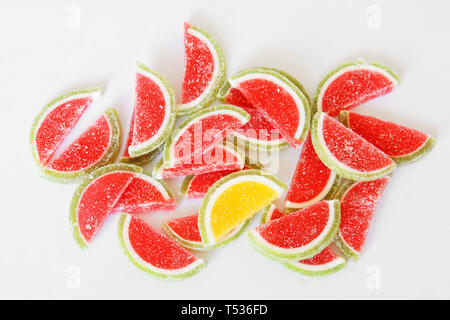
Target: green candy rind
{"type": "Point", "coordinates": [185, 186]}
{"type": "Point", "coordinates": [166, 156]}
{"type": "Point", "coordinates": [173, 113]}
{"type": "Point", "coordinates": [400, 160]}
{"type": "Point", "coordinates": [287, 257]}
{"type": "Point", "coordinates": [294, 85]}
{"type": "Point", "coordinates": [357, 62]}
{"type": "Point", "coordinates": [109, 156]}
{"type": "Point", "coordinates": [149, 271]}
{"type": "Point", "coordinates": [317, 273]}
{"type": "Point", "coordinates": [218, 82]}
{"type": "Point", "coordinates": [335, 165]}
{"type": "Point", "coordinates": [82, 186]}
{"type": "Point", "coordinates": [145, 158]}
{"type": "Point", "coordinates": [46, 108]}
{"type": "Point", "coordinates": [264, 213]}
{"type": "Point", "coordinates": [329, 196]}
{"type": "Point", "coordinates": [199, 246]}
{"type": "Point", "coordinates": [216, 185]}
{"type": "Point", "coordinates": [346, 250]}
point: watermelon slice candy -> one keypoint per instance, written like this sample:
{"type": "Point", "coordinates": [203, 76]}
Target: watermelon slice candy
{"type": "Point", "coordinates": [323, 263]}
{"type": "Point", "coordinates": [200, 132]}
{"type": "Point", "coordinates": [112, 188]}
{"type": "Point", "coordinates": [299, 235]}
{"type": "Point", "coordinates": [358, 203]}
{"type": "Point", "coordinates": [352, 84]}
{"type": "Point", "coordinates": [220, 157]}
{"type": "Point", "coordinates": [55, 121]}
{"type": "Point", "coordinates": [154, 112]}
{"type": "Point", "coordinates": [347, 153]}
{"type": "Point", "coordinates": [204, 72]}
{"type": "Point", "coordinates": [404, 145]}
{"type": "Point", "coordinates": [154, 252]}
{"type": "Point", "coordinates": [279, 100]}
{"type": "Point", "coordinates": [185, 231]}
{"type": "Point", "coordinates": [312, 180]}
{"type": "Point", "coordinates": [96, 147]}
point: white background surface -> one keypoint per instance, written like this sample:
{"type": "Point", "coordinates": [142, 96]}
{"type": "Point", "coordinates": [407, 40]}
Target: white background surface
{"type": "Point", "coordinates": [44, 52]}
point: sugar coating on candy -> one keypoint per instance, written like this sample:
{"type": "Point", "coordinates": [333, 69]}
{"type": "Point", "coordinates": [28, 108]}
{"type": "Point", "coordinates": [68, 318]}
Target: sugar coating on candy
{"type": "Point", "coordinates": [358, 205]}
{"type": "Point", "coordinates": [312, 179]}
{"type": "Point", "coordinates": [216, 159]}
{"type": "Point", "coordinates": [87, 149]}
{"type": "Point", "coordinates": [351, 149]}
{"type": "Point", "coordinates": [234, 199]}
{"type": "Point", "coordinates": [199, 66]}
{"type": "Point", "coordinates": [199, 184]}
{"type": "Point", "coordinates": [155, 248]}
{"type": "Point", "coordinates": [353, 86]}
{"type": "Point", "coordinates": [145, 194]}
{"type": "Point", "coordinates": [98, 201]}
{"type": "Point", "coordinates": [258, 127]}
{"type": "Point", "coordinates": [297, 229]}
{"type": "Point", "coordinates": [327, 255]}
{"type": "Point", "coordinates": [391, 138]}
{"type": "Point", "coordinates": [186, 228]}
{"type": "Point", "coordinates": [57, 124]}
{"type": "Point", "coordinates": [235, 97]}
{"type": "Point", "coordinates": [238, 203]}
{"type": "Point", "coordinates": [278, 100]}
{"type": "Point", "coordinates": [201, 132]}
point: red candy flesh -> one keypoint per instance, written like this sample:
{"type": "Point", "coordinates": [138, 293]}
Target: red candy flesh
{"type": "Point", "coordinates": [311, 176]}
{"type": "Point", "coordinates": [87, 150]}
{"type": "Point", "coordinates": [149, 109]}
{"type": "Point", "coordinates": [391, 138]}
{"type": "Point", "coordinates": [352, 150]}
{"type": "Point", "coordinates": [353, 88]}
{"type": "Point", "coordinates": [199, 185]}
{"type": "Point", "coordinates": [296, 229]}
{"type": "Point", "coordinates": [199, 67]}
{"type": "Point", "coordinates": [357, 207]}
{"type": "Point", "coordinates": [276, 105]}
{"type": "Point", "coordinates": [55, 127]}
{"type": "Point", "coordinates": [98, 201]}
{"type": "Point", "coordinates": [186, 228]}
{"type": "Point", "coordinates": [142, 196]}
{"type": "Point", "coordinates": [157, 249]}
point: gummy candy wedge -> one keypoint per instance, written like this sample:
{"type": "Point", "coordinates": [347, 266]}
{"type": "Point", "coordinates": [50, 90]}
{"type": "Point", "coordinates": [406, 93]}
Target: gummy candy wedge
{"type": "Point", "coordinates": [141, 160]}
{"type": "Point", "coordinates": [352, 84]}
{"type": "Point", "coordinates": [55, 121]}
{"type": "Point", "coordinates": [154, 252]}
{"type": "Point", "coordinates": [145, 194]}
{"type": "Point", "coordinates": [154, 112]}
{"type": "Point", "coordinates": [358, 203]}
{"type": "Point", "coordinates": [251, 135]}
{"type": "Point", "coordinates": [200, 132]}
{"type": "Point", "coordinates": [204, 71]}
{"type": "Point", "coordinates": [96, 147]}
{"type": "Point", "coordinates": [220, 157]}
{"type": "Point", "coordinates": [279, 100]}
{"type": "Point", "coordinates": [270, 212]}
{"type": "Point", "coordinates": [196, 186]}
{"type": "Point", "coordinates": [96, 197]}
{"type": "Point", "coordinates": [404, 145]}
{"type": "Point", "coordinates": [347, 153]}
{"type": "Point", "coordinates": [234, 199]}
{"type": "Point", "coordinates": [299, 235]}
{"type": "Point", "coordinates": [312, 180]}
{"type": "Point", "coordinates": [185, 231]}
{"type": "Point", "coordinates": [323, 263]}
